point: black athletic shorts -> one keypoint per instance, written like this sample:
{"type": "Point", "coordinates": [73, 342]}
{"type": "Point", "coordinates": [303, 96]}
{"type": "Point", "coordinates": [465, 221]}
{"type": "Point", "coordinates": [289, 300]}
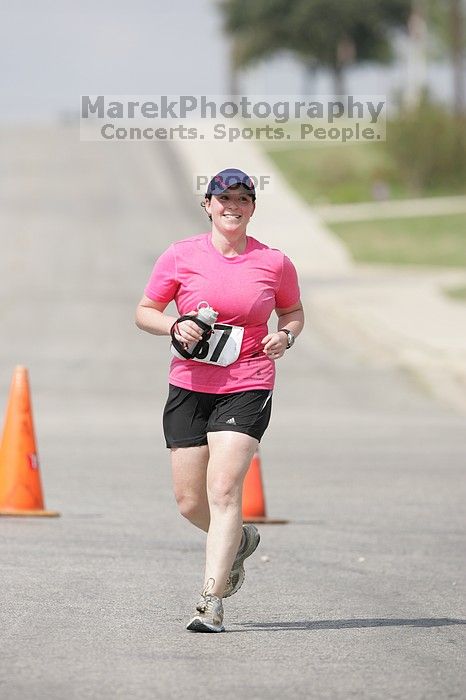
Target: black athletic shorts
{"type": "Point", "coordinates": [189, 415]}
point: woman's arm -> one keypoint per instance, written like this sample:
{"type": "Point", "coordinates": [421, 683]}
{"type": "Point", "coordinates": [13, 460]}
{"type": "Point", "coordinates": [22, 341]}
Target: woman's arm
{"type": "Point", "coordinates": [292, 319]}
{"type": "Point", "coordinates": [150, 317]}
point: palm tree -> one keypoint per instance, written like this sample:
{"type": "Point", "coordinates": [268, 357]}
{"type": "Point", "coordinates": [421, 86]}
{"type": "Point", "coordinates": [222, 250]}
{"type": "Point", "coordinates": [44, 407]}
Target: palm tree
{"type": "Point", "coordinates": [332, 33]}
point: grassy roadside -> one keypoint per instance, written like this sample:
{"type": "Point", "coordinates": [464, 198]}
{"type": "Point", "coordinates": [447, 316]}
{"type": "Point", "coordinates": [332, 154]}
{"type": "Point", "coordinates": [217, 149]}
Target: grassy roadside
{"type": "Point", "coordinates": [337, 174]}
{"type": "Point", "coordinates": [432, 240]}
{"type": "Point", "coordinates": [353, 172]}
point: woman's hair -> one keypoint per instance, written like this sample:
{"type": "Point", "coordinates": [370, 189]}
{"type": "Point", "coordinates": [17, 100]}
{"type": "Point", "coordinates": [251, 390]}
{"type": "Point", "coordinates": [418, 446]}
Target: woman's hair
{"type": "Point", "coordinates": [209, 197]}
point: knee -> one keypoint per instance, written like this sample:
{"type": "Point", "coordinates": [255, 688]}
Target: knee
{"type": "Point", "coordinates": [224, 494]}
{"type": "Point", "coordinates": [188, 506]}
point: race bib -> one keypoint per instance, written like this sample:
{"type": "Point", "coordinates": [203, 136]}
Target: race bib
{"type": "Point", "coordinates": [221, 348]}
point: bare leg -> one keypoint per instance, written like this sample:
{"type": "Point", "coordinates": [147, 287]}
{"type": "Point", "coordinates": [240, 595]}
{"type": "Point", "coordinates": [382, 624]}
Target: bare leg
{"type": "Point", "coordinates": [189, 470]}
{"type": "Point", "coordinates": [230, 457]}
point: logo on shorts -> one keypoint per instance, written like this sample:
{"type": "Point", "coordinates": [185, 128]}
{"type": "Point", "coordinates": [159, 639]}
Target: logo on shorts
{"type": "Point", "coordinates": [231, 421]}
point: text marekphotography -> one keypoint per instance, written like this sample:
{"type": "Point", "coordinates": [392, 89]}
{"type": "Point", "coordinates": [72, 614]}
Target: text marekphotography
{"type": "Point", "coordinates": [309, 118]}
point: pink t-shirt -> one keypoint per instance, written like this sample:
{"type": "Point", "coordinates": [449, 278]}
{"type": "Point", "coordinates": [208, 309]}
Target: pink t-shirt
{"type": "Point", "coordinates": [244, 289]}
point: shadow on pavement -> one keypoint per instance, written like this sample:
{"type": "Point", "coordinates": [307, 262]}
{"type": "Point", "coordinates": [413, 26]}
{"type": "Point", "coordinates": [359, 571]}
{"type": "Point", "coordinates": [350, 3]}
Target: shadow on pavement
{"type": "Point", "coordinates": [352, 624]}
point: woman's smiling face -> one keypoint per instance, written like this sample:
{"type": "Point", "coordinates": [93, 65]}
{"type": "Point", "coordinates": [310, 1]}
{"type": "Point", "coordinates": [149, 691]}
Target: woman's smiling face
{"type": "Point", "coordinates": [231, 210]}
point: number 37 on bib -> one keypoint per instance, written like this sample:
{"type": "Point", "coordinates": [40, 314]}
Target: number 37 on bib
{"type": "Point", "coordinates": [222, 347]}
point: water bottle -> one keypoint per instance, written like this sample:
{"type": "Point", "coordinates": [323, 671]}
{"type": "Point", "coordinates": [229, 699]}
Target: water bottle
{"type": "Point", "coordinates": [207, 315]}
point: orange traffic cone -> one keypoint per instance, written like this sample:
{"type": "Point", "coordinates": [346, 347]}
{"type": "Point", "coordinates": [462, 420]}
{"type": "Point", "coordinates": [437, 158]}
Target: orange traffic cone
{"type": "Point", "coordinates": [20, 487]}
{"type": "Point", "coordinates": [253, 495]}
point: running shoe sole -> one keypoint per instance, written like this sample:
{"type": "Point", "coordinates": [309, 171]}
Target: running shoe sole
{"type": "Point", "coordinates": [198, 625]}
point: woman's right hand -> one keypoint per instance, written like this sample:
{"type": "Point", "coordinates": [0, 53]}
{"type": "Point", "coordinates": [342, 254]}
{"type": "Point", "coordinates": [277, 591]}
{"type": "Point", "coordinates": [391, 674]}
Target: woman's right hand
{"type": "Point", "coordinates": [188, 331]}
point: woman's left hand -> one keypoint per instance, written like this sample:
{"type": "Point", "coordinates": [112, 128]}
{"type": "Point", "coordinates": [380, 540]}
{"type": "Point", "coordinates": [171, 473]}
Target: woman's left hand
{"type": "Point", "coordinates": [275, 345]}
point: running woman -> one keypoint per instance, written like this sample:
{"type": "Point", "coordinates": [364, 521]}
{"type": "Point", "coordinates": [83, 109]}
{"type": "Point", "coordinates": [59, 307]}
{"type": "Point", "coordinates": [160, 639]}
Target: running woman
{"type": "Point", "coordinates": [221, 380]}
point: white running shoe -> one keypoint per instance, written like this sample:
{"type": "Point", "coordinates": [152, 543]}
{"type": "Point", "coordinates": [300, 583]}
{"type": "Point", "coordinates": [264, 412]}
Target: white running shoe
{"type": "Point", "coordinates": [210, 614]}
{"type": "Point", "coordinates": [249, 545]}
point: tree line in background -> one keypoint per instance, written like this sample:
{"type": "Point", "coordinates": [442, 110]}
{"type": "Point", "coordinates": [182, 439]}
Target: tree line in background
{"type": "Point", "coordinates": [336, 35]}
{"type": "Point", "coordinates": [428, 139]}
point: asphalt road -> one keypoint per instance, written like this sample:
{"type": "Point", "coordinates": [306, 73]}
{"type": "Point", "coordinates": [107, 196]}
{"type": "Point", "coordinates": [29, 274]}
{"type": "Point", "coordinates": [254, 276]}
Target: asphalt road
{"type": "Point", "coordinates": [362, 593]}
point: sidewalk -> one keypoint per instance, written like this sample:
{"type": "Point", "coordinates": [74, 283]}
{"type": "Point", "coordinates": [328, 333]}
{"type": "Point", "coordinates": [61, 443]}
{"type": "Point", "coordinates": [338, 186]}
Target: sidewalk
{"type": "Point", "coordinates": [388, 314]}
{"type": "Point", "coordinates": [399, 316]}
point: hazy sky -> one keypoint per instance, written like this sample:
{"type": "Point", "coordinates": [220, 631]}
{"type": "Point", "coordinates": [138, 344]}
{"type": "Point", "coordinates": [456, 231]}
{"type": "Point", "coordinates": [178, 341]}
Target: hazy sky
{"type": "Point", "coordinates": [52, 51]}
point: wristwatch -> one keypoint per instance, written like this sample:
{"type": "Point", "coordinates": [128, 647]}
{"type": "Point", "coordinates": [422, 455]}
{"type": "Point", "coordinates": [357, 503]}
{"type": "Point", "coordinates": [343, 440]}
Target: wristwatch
{"type": "Point", "coordinates": [291, 337]}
